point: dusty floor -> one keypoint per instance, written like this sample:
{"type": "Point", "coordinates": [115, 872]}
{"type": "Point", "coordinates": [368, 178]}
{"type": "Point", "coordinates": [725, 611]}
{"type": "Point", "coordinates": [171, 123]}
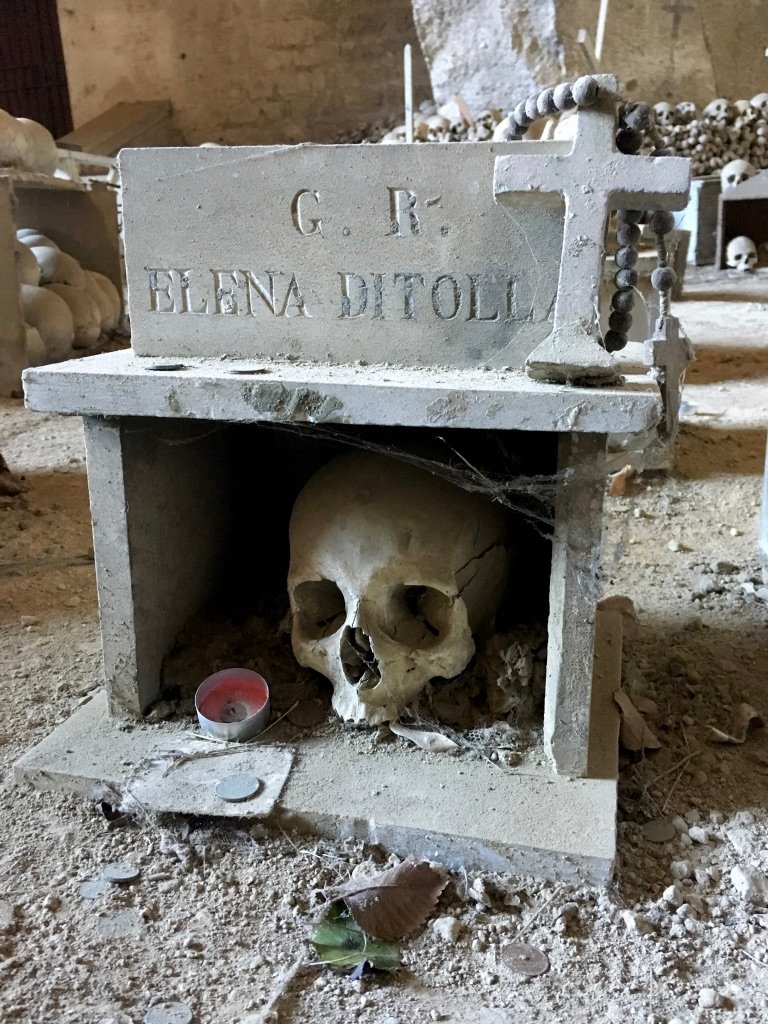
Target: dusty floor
{"type": "Point", "coordinates": [218, 915]}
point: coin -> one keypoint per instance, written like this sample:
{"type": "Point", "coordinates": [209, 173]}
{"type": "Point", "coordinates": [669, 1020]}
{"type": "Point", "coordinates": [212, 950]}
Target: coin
{"type": "Point", "coordinates": [119, 874]}
{"type": "Point", "coordinates": [525, 959]}
{"type": "Point", "coordinates": [238, 787]}
{"type": "Point", "coordinates": [168, 1013]}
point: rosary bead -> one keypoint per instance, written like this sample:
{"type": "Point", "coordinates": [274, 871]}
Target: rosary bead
{"type": "Point", "coordinates": [585, 91]}
{"type": "Point", "coordinates": [628, 234]}
{"type": "Point", "coordinates": [563, 97]}
{"type": "Point", "coordinates": [623, 300]}
{"type": "Point", "coordinates": [531, 108]}
{"type": "Point", "coordinates": [520, 115]}
{"type": "Point", "coordinates": [626, 257]}
{"type": "Point", "coordinates": [626, 278]}
{"type": "Point", "coordinates": [663, 278]}
{"type": "Point", "coordinates": [628, 140]}
{"type": "Point", "coordinates": [545, 103]}
{"type": "Point", "coordinates": [629, 216]}
{"type": "Point", "coordinates": [639, 116]}
{"type": "Point", "coordinates": [620, 322]}
{"type": "Point", "coordinates": [661, 222]}
{"type": "Point", "coordinates": [614, 341]}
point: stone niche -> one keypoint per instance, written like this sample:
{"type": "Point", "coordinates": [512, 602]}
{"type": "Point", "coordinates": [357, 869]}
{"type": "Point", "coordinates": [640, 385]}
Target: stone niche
{"type": "Point", "coordinates": [433, 302]}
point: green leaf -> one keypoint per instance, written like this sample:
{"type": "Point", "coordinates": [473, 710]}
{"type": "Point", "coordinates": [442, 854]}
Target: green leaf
{"type": "Point", "coordinates": [340, 942]}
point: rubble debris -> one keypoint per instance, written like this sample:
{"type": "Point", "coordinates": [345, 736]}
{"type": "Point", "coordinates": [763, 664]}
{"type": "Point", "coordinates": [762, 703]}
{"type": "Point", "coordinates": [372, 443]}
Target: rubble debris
{"type": "Point", "coordinates": [634, 735]}
{"type": "Point", "coordinates": [341, 942]}
{"type": "Point", "coordinates": [435, 742]}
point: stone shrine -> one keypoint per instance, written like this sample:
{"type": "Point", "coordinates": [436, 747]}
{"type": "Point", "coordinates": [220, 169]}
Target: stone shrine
{"type": "Point", "coordinates": [432, 288]}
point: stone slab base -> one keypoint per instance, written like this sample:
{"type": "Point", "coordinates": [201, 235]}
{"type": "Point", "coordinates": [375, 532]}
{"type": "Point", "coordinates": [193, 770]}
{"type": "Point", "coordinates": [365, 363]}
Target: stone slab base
{"type": "Point", "coordinates": [462, 812]}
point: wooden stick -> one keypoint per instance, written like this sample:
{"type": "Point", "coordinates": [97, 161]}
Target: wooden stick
{"type": "Point", "coordinates": [602, 18]}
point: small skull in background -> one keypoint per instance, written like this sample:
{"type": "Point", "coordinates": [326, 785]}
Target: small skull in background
{"type": "Point", "coordinates": [393, 571]}
{"type": "Point", "coordinates": [665, 115]}
{"type": "Point", "coordinates": [686, 112]}
{"type": "Point", "coordinates": [438, 128]}
{"type": "Point", "coordinates": [735, 172]}
{"type": "Point", "coordinates": [719, 110]}
{"type": "Point", "coordinates": [760, 103]}
{"type": "Point", "coordinates": [741, 254]}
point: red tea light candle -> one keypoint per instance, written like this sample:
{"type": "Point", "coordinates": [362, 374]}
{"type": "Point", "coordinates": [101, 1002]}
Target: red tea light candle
{"type": "Point", "coordinates": [233, 704]}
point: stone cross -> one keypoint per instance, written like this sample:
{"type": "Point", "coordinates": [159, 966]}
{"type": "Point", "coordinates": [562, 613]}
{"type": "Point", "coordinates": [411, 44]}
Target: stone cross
{"type": "Point", "coordinates": [668, 353]}
{"type": "Point", "coordinates": [593, 178]}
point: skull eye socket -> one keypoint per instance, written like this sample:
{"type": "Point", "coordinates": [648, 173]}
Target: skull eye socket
{"type": "Point", "coordinates": [417, 616]}
{"type": "Point", "coordinates": [320, 609]}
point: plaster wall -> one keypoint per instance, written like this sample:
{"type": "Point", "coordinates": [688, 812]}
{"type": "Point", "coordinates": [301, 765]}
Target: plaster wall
{"type": "Point", "coordinates": [244, 71]}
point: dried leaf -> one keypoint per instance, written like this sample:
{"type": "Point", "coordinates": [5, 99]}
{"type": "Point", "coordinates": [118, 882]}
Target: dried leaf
{"type": "Point", "coordinates": [744, 719]}
{"type": "Point", "coordinates": [646, 706]}
{"type": "Point", "coordinates": [340, 942]}
{"type": "Point", "coordinates": [392, 903]}
{"type": "Point", "coordinates": [435, 742]}
{"type": "Point", "coordinates": [634, 734]}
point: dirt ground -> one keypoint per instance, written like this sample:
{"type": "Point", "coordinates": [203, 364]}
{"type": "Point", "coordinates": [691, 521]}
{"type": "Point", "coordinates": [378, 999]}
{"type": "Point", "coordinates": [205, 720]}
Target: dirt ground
{"type": "Point", "coordinates": [219, 917]}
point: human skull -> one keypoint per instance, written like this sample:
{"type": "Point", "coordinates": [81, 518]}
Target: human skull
{"type": "Point", "coordinates": [392, 571]}
{"type": "Point", "coordinates": [686, 112]}
{"type": "Point", "coordinates": [719, 110]}
{"type": "Point", "coordinates": [741, 253]}
{"type": "Point", "coordinates": [760, 103]}
{"type": "Point", "coordinates": [665, 114]}
{"type": "Point", "coordinates": [438, 128]}
{"type": "Point", "coordinates": [735, 172]}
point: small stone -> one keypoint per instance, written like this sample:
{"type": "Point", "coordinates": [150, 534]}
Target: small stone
{"type": "Point", "coordinates": [680, 823]}
{"type": "Point", "coordinates": [680, 869]}
{"type": "Point", "coordinates": [672, 894]}
{"type": "Point", "coordinates": [702, 876]}
{"type": "Point", "coordinates": [750, 883]}
{"type": "Point", "coordinates": [695, 902]}
{"type": "Point", "coordinates": [168, 1013]}
{"type": "Point", "coordinates": [673, 545]}
{"type": "Point", "coordinates": [699, 835]}
{"type": "Point", "coordinates": [660, 830]}
{"type": "Point", "coordinates": [447, 928]}
{"type": "Point", "coordinates": [637, 923]}
{"type": "Point", "coordinates": [52, 903]}
{"type": "Point", "coordinates": [709, 999]}
{"type": "Point", "coordinates": [29, 620]}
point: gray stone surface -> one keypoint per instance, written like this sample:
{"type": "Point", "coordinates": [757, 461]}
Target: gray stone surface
{"type": "Point", "coordinates": [461, 812]}
{"type": "Point", "coordinates": [120, 384]}
{"type": "Point", "coordinates": [515, 49]}
{"type": "Point", "coordinates": [592, 178]}
{"type": "Point", "coordinates": [334, 254]}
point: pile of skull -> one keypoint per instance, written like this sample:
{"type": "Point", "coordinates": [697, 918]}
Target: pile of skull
{"type": "Point", "coordinates": [64, 306]}
{"type": "Point", "coordinates": [447, 124]}
{"type": "Point", "coordinates": [723, 136]}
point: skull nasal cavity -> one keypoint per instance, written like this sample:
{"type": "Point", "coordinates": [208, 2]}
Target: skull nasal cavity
{"type": "Point", "coordinates": [319, 607]}
{"type": "Point", "coordinates": [417, 616]}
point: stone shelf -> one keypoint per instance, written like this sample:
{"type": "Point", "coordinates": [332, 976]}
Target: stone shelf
{"type": "Point", "coordinates": [121, 384]}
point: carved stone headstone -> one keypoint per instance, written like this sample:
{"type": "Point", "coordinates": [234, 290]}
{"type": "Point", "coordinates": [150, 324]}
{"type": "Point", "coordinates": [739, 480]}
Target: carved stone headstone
{"type": "Point", "coordinates": [335, 254]}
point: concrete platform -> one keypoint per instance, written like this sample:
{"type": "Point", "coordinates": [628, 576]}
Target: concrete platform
{"type": "Point", "coordinates": [462, 812]}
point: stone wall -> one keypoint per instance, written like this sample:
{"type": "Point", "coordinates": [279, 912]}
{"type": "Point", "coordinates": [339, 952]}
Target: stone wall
{"type": "Point", "coordinates": [254, 71]}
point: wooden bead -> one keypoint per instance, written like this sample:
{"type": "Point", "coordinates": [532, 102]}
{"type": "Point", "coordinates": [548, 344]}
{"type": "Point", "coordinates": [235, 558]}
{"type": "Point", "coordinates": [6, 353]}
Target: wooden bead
{"type": "Point", "coordinates": [628, 140]}
{"type": "Point", "coordinates": [663, 278]}
{"type": "Point", "coordinates": [520, 115]}
{"type": "Point", "coordinates": [623, 300]}
{"type": "Point", "coordinates": [628, 234]}
{"type": "Point", "coordinates": [545, 103]}
{"type": "Point", "coordinates": [625, 279]}
{"type": "Point", "coordinates": [614, 341]}
{"type": "Point", "coordinates": [620, 322]}
{"type": "Point", "coordinates": [585, 91]}
{"type": "Point", "coordinates": [639, 116]}
{"type": "Point", "coordinates": [626, 257]}
{"type": "Point", "coordinates": [661, 222]}
{"type": "Point", "coordinates": [563, 97]}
